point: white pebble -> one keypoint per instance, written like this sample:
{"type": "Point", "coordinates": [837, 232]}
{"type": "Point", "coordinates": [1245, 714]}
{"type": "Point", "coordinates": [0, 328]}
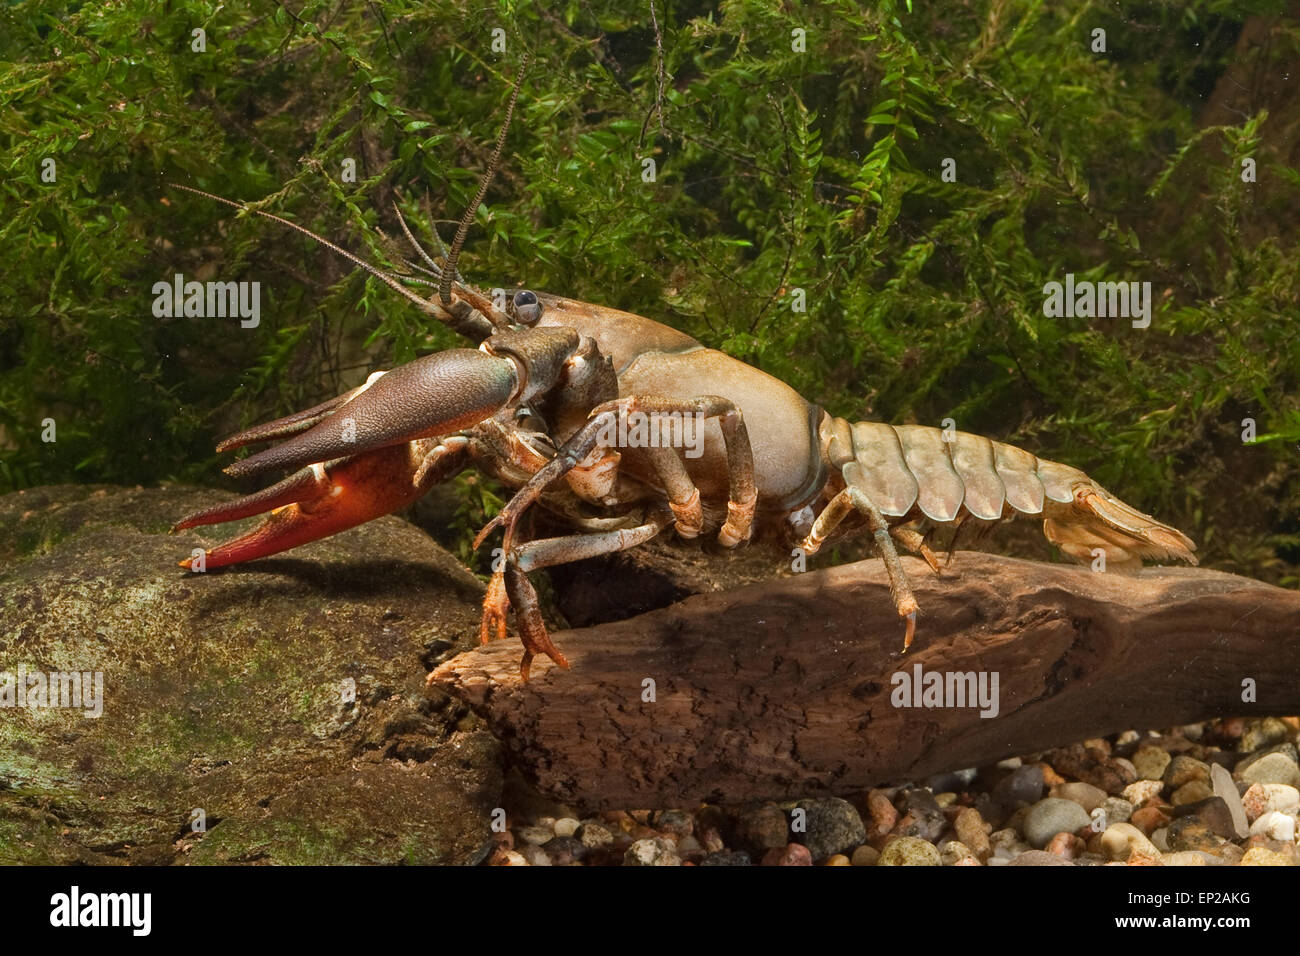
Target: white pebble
{"type": "Point", "coordinates": [1121, 840]}
{"type": "Point", "coordinates": [535, 855]}
{"type": "Point", "coordinates": [566, 826]}
{"type": "Point", "coordinates": [1282, 797]}
{"type": "Point", "coordinates": [1276, 826]}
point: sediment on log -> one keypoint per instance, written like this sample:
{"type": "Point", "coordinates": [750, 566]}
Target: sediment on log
{"type": "Point", "coordinates": [783, 689]}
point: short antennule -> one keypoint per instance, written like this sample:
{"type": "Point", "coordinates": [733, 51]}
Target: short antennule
{"type": "Point", "coordinates": [449, 269]}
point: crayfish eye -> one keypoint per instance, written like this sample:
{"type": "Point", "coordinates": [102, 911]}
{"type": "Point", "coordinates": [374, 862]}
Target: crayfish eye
{"type": "Point", "coordinates": [527, 309]}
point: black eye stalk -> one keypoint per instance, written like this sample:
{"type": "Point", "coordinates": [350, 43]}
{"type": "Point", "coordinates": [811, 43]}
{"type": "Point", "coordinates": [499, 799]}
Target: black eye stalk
{"type": "Point", "coordinates": [526, 307]}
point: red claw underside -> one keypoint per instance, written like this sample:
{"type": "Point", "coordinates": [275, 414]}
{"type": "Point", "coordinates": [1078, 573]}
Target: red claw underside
{"type": "Point", "coordinates": [314, 503]}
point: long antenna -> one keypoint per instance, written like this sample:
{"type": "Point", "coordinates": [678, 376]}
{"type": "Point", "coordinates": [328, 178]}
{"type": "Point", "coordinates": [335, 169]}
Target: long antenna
{"type": "Point", "coordinates": [449, 270]}
{"type": "Point", "coordinates": [384, 277]}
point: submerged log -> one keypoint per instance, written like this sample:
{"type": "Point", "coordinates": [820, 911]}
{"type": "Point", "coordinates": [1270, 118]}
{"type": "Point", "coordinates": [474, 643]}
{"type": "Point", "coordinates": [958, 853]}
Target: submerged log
{"type": "Point", "coordinates": [797, 687]}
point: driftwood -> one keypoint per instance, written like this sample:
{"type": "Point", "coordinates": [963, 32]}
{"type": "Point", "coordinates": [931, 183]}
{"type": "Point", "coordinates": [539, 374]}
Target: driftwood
{"type": "Point", "coordinates": [784, 688]}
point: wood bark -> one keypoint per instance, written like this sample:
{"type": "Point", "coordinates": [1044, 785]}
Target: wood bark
{"type": "Point", "coordinates": [790, 688]}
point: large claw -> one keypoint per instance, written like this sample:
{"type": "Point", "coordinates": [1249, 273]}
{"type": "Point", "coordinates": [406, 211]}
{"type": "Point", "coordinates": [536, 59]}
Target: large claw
{"type": "Point", "coordinates": [366, 453]}
{"type": "Point", "coordinates": [322, 500]}
{"type": "Point", "coordinates": [435, 395]}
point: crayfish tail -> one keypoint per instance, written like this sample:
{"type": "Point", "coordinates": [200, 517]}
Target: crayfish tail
{"type": "Point", "coordinates": [1096, 519]}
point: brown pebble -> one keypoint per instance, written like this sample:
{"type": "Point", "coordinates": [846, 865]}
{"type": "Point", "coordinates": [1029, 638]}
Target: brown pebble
{"type": "Point", "coordinates": [1066, 845]}
{"type": "Point", "coordinates": [1148, 819]}
{"type": "Point", "coordinates": [883, 816]}
{"type": "Point", "coordinates": [711, 840]}
{"type": "Point", "coordinates": [1050, 777]}
{"type": "Point", "coordinates": [973, 831]}
{"type": "Point", "coordinates": [1143, 859]}
{"type": "Point", "coordinates": [839, 859]}
{"type": "Point", "coordinates": [792, 854]}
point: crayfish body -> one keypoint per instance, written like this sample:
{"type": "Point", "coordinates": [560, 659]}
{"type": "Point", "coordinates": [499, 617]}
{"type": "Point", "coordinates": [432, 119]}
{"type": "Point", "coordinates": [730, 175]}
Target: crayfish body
{"type": "Point", "coordinates": [535, 404]}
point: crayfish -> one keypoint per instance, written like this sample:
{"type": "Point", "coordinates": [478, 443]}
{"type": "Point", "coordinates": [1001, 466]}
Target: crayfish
{"type": "Point", "coordinates": [552, 378]}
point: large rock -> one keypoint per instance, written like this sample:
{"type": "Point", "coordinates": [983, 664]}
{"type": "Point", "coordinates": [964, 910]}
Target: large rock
{"type": "Point", "coordinates": [225, 692]}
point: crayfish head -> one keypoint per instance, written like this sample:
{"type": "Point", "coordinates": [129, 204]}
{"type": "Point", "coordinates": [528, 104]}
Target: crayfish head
{"type": "Point", "coordinates": [540, 355]}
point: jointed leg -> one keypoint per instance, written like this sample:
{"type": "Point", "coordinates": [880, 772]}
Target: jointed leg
{"type": "Point", "coordinates": [852, 498]}
{"type": "Point", "coordinates": [516, 589]}
{"type": "Point", "coordinates": [914, 543]}
{"type": "Point", "coordinates": [683, 495]}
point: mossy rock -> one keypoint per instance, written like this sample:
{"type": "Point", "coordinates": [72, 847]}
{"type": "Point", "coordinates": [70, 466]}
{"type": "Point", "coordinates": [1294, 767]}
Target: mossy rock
{"type": "Point", "coordinates": [226, 692]}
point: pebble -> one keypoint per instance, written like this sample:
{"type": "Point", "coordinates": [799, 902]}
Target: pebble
{"type": "Point", "coordinates": [1272, 768]}
{"type": "Point", "coordinates": [1229, 854]}
{"type": "Point", "coordinates": [921, 822]}
{"type": "Point", "coordinates": [832, 826]}
{"type": "Point", "coordinates": [1183, 858]}
{"type": "Point", "coordinates": [1017, 820]}
{"type": "Point", "coordinates": [883, 815]}
{"type": "Point", "coordinates": [711, 841]}
{"type": "Point", "coordinates": [910, 851]}
{"type": "Point", "coordinates": [1128, 773]}
{"type": "Point", "coordinates": [1150, 818]}
{"type": "Point", "coordinates": [839, 859]}
{"type": "Point", "coordinates": [1117, 809]}
{"type": "Point", "coordinates": [1039, 858]}
{"type": "Point", "coordinates": [535, 855]}
{"type": "Point", "coordinates": [1214, 813]}
{"type": "Point", "coordinates": [865, 855]}
{"type": "Point", "coordinates": [953, 852]}
{"type": "Point", "coordinates": [1262, 733]}
{"type": "Point", "coordinates": [675, 822]}
{"type": "Point", "coordinates": [1084, 794]}
{"type": "Point", "coordinates": [1024, 785]}
{"type": "Point", "coordinates": [792, 854]}
{"type": "Point", "coordinates": [1066, 845]}
{"type": "Point", "coordinates": [1142, 791]}
{"type": "Point", "coordinates": [916, 798]}
{"type": "Point", "coordinates": [973, 831]}
{"type": "Point", "coordinates": [1255, 800]}
{"type": "Point", "coordinates": [1092, 765]}
{"type": "Point", "coordinates": [762, 828]}
{"type": "Point", "coordinates": [1280, 797]}
{"type": "Point", "coordinates": [1121, 840]}
{"type": "Point", "coordinates": [1051, 816]}
{"type": "Point", "coordinates": [1258, 856]}
{"type": "Point", "coordinates": [652, 852]}
{"type": "Point", "coordinates": [1226, 790]}
{"type": "Point", "coordinates": [1194, 791]}
{"type": "Point", "coordinates": [594, 835]}
{"type": "Point", "coordinates": [1150, 762]}
{"type": "Point", "coordinates": [1050, 777]}
{"type": "Point", "coordinates": [727, 858]}
{"type": "Point", "coordinates": [509, 858]}
{"type": "Point", "coordinates": [688, 846]}
{"type": "Point", "coordinates": [1144, 859]}
{"type": "Point", "coordinates": [564, 850]}
{"type": "Point", "coordinates": [566, 827]}
{"type": "Point", "coordinates": [535, 835]}
{"type": "Point", "coordinates": [1184, 769]}
{"type": "Point", "coordinates": [1276, 826]}
{"type": "Point", "coordinates": [945, 800]}
{"type": "Point", "coordinates": [1191, 833]}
